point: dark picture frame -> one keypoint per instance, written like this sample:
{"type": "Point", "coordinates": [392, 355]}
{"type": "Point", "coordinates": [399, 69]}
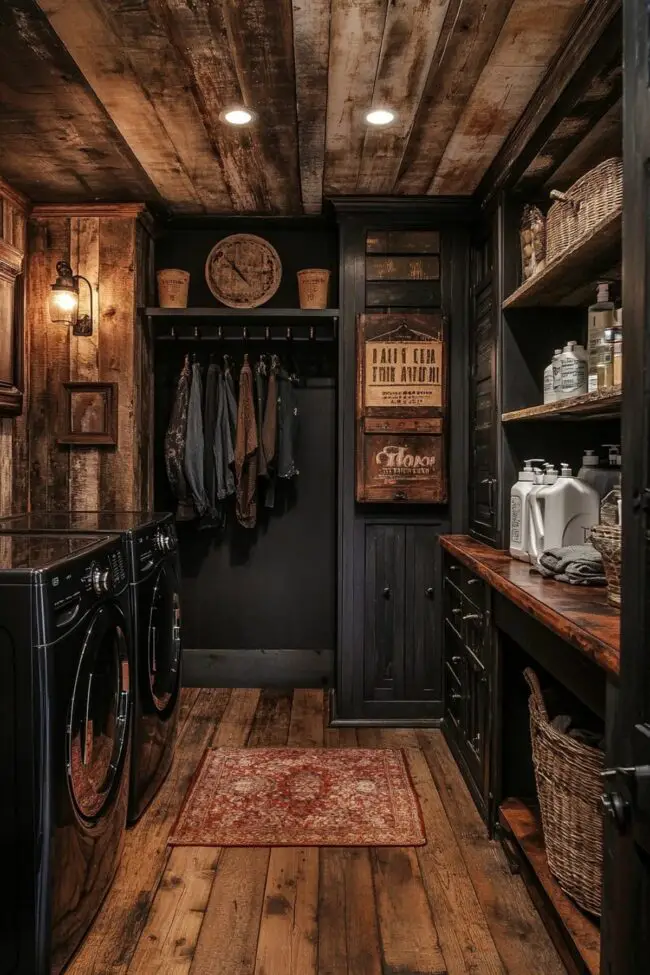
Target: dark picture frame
{"type": "Point", "coordinates": [88, 414]}
{"type": "Point", "coordinates": [11, 329]}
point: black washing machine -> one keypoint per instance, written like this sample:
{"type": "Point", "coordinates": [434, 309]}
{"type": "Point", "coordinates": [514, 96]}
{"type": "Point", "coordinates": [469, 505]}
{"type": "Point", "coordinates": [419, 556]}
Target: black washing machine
{"type": "Point", "coordinates": [156, 620]}
{"type": "Point", "coordinates": [65, 710]}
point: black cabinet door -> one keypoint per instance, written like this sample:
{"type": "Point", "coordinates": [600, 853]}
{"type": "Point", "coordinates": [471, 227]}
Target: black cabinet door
{"type": "Point", "coordinates": [383, 659]}
{"type": "Point", "coordinates": [625, 928]}
{"type": "Point", "coordinates": [402, 654]}
{"type": "Point", "coordinates": [422, 660]}
{"type": "Point", "coordinates": [483, 506]}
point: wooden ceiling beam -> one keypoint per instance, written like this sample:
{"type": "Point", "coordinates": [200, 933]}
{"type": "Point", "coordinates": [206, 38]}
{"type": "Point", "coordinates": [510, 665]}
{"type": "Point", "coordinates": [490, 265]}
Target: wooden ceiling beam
{"type": "Point", "coordinates": [356, 31]}
{"type": "Point", "coordinates": [411, 33]}
{"type": "Point", "coordinates": [530, 38]}
{"type": "Point", "coordinates": [593, 43]}
{"type": "Point", "coordinates": [129, 63]}
{"type": "Point", "coordinates": [468, 35]}
{"type": "Point", "coordinates": [57, 141]}
{"type": "Point", "coordinates": [311, 45]}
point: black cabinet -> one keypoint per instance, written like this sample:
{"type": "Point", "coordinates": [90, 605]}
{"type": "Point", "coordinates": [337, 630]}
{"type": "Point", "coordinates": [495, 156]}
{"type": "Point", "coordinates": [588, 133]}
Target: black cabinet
{"type": "Point", "coordinates": [402, 659]}
{"type": "Point", "coordinates": [468, 635]}
{"type": "Point", "coordinates": [483, 485]}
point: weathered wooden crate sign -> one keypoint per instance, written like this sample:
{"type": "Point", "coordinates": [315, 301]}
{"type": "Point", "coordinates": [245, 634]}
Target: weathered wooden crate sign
{"type": "Point", "coordinates": [400, 408]}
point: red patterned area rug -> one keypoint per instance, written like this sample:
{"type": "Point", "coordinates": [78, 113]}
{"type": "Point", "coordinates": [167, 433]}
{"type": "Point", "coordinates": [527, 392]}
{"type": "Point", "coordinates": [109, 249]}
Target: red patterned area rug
{"type": "Point", "coordinates": [300, 797]}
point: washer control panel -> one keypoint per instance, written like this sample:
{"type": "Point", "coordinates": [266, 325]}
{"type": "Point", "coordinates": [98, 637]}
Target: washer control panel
{"type": "Point", "coordinates": [151, 546]}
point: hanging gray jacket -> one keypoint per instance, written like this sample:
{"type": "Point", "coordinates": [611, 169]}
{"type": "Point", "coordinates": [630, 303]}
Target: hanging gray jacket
{"type": "Point", "coordinates": [194, 443]}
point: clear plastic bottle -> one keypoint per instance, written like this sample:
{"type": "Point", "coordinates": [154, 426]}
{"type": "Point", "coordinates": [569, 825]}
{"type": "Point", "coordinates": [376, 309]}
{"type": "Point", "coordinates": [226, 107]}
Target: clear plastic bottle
{"type": "Point", "coordinates": [600, 316]}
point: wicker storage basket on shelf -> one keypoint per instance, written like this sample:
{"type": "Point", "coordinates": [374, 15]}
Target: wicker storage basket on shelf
{"type": "Point", "coordinates": [596, 195]}
{"type": "Point", "coordinates": [569, 787]}
{"type": "Point", "coordinates": [532, 237]}
{"type": "Point", "coordinates": [606, 539]}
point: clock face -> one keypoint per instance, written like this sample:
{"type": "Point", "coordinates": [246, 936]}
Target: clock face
{"type": "Point", "coordinates": [243, 271]}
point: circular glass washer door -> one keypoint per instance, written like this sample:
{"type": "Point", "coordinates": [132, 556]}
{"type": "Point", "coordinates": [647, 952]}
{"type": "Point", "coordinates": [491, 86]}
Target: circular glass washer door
{"type": "Point", "coordinates": [164, 640]}
{"type": "Point", "coordinates": [98, 719]}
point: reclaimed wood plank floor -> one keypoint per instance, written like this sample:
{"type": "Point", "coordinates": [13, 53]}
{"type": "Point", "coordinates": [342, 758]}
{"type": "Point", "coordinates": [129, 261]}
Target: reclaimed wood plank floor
{"type": "Point", "coordinates": [451, 907]}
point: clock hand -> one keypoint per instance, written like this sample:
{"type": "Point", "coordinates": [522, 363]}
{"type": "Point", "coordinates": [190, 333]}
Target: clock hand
{"type": "Point", "coordinates": [235, 269]}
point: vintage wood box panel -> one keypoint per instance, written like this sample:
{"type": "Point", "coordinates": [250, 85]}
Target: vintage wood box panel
{"type": "Point", "coordinates": [401, 407]}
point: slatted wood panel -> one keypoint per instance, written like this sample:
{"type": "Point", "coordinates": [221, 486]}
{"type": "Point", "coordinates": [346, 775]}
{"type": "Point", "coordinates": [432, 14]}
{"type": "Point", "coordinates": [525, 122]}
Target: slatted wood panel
{"type": "Point", "coordinates": [527, 43]}
{"type": "Point", "coordinates": [111, 246]}
{"type": "Point", "coordinates": [451, 907]}
{"type": "Point", "coordinates": [135, 92]}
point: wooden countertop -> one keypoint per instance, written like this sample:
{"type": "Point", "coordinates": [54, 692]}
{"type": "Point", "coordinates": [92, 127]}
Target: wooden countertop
{"type": "Point", "coordinates": [580, 615]}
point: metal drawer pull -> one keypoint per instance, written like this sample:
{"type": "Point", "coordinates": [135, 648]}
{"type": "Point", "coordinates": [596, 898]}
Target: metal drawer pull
{"type": "Point", "coordinates": [472, 616]}
{"type": "Point", "coordinates": [456, 695]}
{"type": "Point", "coordinates": [429, 592]}
{"type": "Point", "coordinates": [456, 611]}
{"type": "Point", "coordinates": [455, 660]}
{"type": "Point", "coordinates": [472, 582]}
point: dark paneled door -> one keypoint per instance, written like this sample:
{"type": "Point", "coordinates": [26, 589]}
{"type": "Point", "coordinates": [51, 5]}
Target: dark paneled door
{"type": "Point", "coordinates": [401, 659]}
{"type": "Point", "coordinates": [483, 505]}
{"type": "Point", "coordinates": [626, 919]}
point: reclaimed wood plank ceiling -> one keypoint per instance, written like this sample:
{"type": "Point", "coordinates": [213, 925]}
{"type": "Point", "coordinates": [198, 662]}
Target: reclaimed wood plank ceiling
{"type": "Point", "coordinates": [107, 99]}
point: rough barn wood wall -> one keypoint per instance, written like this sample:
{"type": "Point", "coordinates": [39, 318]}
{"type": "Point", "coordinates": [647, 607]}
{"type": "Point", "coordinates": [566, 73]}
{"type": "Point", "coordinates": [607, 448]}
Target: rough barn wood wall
{"type": "Point", "coordinates": [112, 247]}
{"type": "Point", "coordinates": [13, 218]}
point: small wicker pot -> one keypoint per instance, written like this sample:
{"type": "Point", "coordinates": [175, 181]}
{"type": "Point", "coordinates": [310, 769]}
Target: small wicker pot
{"type": "Point", "coordinates": [606, 539]}
{"type": "Point", "coordinates": [532, 236]}
{"type": "Point", "coordinates": [172, 287]}
{"type": "Point", "coordinates": [312, 287]}
{"type": "Point", "coordinates": [567, 774]}
{"type": "Point", "coordinates": [575, 214]}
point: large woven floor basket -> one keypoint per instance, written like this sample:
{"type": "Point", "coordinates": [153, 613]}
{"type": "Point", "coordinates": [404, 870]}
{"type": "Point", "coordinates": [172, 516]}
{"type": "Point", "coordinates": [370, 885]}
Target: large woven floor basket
{"type": "Point", "coordinates": [567, 773]}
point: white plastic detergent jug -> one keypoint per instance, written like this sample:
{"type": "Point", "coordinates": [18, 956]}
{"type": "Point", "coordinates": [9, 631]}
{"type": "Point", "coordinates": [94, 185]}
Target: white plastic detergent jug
{"type": "Point", "coordinates": [535, 527]}
{"type": "Point", "coordinates": [564, 512]}
{"type": "Point", "coordinates": [519, 512]}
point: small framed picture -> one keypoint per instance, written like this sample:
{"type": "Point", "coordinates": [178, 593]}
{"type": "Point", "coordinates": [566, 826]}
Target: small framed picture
{"type": "Point", "coordinates": [89, 414]}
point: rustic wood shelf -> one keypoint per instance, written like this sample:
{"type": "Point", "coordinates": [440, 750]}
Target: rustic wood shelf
{"type": "Point", "coordinates": [241, 313]}
{"type": "Point", "coordinates": [575, 933]}
{"type": "Point", "coordinates": [602, 403]}
{"type": "Point", "coordinates": [561, 280]}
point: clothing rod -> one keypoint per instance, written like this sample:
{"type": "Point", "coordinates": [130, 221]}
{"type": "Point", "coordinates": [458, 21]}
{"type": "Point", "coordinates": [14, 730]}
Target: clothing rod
{"type": "Point", "coordinates": [240, 338]}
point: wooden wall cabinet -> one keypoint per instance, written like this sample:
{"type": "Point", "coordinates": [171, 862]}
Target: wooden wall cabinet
{"type": "Point", "coordinates": [13, 216]}
{"type": "Point", "coordinates": [389, 645]}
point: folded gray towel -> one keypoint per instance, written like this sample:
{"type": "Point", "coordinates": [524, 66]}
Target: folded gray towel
{"type": "Point", "coordinates": [579, 565]}
{"type": "Point", "coordinates": [555, 560]}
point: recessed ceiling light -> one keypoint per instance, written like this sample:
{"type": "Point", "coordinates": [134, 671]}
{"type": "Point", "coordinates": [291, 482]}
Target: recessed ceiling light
{"type": "Point", "coordinates": [380, 116]}
{"type": "Point", "coordinates": [238, 116]}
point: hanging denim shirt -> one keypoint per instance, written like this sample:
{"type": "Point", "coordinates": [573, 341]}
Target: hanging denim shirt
{"type": "Point", "coordinates": [270, 432]}
{"type": "Point", "coordinates": [287, 426]}
{"type": "Point", "coordinates": [175, 444]}
{"type": "Point", "coordinates": [194, 443]}
{"type": "Point", "coordinates": [223, 447]}
{"type": "Point", "coordinates": [261, 383]}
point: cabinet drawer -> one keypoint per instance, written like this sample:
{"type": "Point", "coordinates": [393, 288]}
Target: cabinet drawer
{"type": "Point", "coordinates": [453, 606]}
{"type": "Point", "coordinates": [469, 584]}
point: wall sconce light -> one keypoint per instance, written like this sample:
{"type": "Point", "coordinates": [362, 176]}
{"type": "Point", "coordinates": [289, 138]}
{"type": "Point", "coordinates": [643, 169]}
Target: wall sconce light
{"type": "Point", "coordinates": [64, 301]}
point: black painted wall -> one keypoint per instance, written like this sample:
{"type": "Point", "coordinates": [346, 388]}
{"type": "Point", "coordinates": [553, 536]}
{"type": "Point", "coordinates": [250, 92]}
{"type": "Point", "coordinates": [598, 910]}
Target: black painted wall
{"type": "Point", "coordinates": [273, 587]}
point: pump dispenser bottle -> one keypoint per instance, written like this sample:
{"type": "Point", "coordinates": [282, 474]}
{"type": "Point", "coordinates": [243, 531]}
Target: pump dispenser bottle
{"type": "Point", "coordinates": [601, 317]}
{"type": "Point", "coordinates": [519, 512]}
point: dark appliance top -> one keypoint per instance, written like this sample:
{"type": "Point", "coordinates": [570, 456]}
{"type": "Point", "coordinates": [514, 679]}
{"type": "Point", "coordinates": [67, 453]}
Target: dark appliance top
{"type": "Point", "coordinates": [36, 552]}
{"type": "Point", "coordinates": [82, 521]}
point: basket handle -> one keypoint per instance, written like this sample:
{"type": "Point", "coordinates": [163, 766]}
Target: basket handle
{"type": "Point", "coordinates": [536, 696]}
{"type": "Point", "coordinates": [563, 198]}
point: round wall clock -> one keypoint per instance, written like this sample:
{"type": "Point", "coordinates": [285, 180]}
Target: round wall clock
{"type": "Point", "coordinates": [243, 271]}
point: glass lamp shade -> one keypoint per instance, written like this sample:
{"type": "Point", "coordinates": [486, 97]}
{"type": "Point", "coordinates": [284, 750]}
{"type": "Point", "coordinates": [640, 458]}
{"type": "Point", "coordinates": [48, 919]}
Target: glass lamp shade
{"type": "Point", "coordinates": [64, 296]}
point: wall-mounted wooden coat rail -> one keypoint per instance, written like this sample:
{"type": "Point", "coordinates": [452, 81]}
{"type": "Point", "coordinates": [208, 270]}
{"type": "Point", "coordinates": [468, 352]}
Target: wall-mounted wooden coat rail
{"type": "Point", "coordinates": [235, 332]}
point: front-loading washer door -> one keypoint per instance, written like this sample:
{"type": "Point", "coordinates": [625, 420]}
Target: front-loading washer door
{"type": "Point", "coordinates": [164, 641]}
{"type": "Point", "coordinates": [98, 722]}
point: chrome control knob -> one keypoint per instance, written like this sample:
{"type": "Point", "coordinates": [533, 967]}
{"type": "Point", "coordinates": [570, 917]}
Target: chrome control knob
{"type": "Point", "coordinates": [163, 541]}
{"type": "Point", "coordinates": [101, 580]}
